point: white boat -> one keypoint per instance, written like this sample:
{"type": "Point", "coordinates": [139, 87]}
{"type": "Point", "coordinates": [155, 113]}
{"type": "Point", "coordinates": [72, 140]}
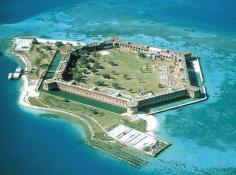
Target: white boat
{"type": "Point", "coordinates": [18, 70]}
{"type": "Point", "coordinates": [10, 76]}
{"type": "Point", "coordinates": [16, 75]}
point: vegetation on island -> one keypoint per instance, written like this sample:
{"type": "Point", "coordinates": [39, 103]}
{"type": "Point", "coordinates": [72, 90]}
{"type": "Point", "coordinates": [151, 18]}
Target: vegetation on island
{"type": "Point", "coordinates": [141, 55]}
{"type": "Point", "coordinates": [84, 66]}
{"type": "Point", "coordinates": [100, 83]}
{"type": "Point", "coordinates": [120, 70]}
{"type": "Point", "coordinates": [59, 44]}
{"type": "Point", "coordinates": [40, 57]}
{"type": "Point", "coordinates": [96, 122]}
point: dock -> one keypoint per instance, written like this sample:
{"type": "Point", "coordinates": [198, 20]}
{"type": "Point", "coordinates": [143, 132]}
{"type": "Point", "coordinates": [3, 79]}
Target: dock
{"type": "Point", "coordinates": [17, 74]}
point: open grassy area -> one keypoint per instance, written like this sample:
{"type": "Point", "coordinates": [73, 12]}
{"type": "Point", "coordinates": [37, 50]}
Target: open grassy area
{"type": "Point", "coordinates": [40, 55]}
{"type": "Point", "coordinates": [123, 70]}
{"type": "Point", "coordinates": [99, 120]}
{"type": "Point", "coordinates": [106, 119]}
{"type": "Point", "coordinates": [40, 58]}
{"type": "Point", "coordinates": [87, 101]}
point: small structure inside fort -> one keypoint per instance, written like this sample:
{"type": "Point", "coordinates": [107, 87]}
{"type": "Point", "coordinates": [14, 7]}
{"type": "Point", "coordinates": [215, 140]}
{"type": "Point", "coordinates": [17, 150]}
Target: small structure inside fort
{"type": "Point", "coordinates": [131, 76]}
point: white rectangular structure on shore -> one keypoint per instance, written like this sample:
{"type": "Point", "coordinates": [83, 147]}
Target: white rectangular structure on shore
{"type": "Point", "coordinates": [133, 138]}
{"type": "Point", "coordinates": [23, 44]}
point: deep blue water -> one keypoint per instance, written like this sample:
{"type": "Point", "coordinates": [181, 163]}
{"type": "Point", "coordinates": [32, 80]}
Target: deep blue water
{"type": "Point", "coordinates": [203, 135]}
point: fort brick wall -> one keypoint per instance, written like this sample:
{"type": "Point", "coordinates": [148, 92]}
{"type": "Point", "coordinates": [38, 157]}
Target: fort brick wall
{"type": "Point", "coordinates": [115, 100]}
{"type": "Point", "coordinates": [91, 94]}
{"type": "Point", "coordinates": [181, 69]}
{"type": "Point", "coordinates": [163, 98]}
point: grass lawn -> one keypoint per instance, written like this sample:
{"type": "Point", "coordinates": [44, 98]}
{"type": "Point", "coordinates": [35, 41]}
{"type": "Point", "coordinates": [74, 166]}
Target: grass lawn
{"type": "Point", "coordinates": [87, 101]}
{"type": "Point", "coordinates": [41, 56]}
{"type": "Point", "coordinates": [131, 72]}
{"type": "Point", "coordinates": [106, 119]}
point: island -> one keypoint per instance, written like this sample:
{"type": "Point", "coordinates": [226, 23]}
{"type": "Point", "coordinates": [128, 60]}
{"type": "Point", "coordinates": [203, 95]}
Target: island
{"type": "Point", "coordinates": [111, 88]}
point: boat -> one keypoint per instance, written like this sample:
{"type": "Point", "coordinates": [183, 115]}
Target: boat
{"type": "Point", "coordinates": [13, 76]}
{"type": "Point", "coordinates": [19, 70]}
{"type": "Point", "coordinates": [10, 76]}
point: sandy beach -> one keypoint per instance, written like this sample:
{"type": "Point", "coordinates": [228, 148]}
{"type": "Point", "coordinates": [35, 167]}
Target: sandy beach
{"type": "Point", "coordinates": [29, 90]}
{"type": "Point", "coordinates": [152, 123]}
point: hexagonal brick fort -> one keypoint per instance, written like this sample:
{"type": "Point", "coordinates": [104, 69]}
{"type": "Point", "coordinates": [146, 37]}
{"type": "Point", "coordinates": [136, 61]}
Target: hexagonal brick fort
{"type": "Point", "coordinates": [179, 78]}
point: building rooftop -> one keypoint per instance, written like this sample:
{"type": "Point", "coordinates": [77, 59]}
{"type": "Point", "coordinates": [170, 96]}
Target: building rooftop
{"type": "Point", "coordinates": [134, 138]}
{"type": "Point", "coordinates": [23, 44]}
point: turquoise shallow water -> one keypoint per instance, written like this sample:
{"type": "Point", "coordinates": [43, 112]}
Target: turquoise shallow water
{"type": "Point", "coordinates": [203, 135]}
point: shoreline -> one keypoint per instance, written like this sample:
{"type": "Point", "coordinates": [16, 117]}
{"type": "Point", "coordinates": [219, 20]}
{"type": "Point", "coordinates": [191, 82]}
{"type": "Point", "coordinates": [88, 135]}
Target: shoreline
{"type": "Point", "coordinates": [152, 123]}
{"type": "Point", "coordinates": [29, 89]}
{"type": "Point", "coordinates": [87, 134]}
{"type": "Point", "coordinates": [23, 101]}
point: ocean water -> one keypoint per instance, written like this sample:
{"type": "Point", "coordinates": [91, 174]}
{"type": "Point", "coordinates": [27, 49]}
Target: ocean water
{"type": "Point", "coordinates": [202, 135]}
